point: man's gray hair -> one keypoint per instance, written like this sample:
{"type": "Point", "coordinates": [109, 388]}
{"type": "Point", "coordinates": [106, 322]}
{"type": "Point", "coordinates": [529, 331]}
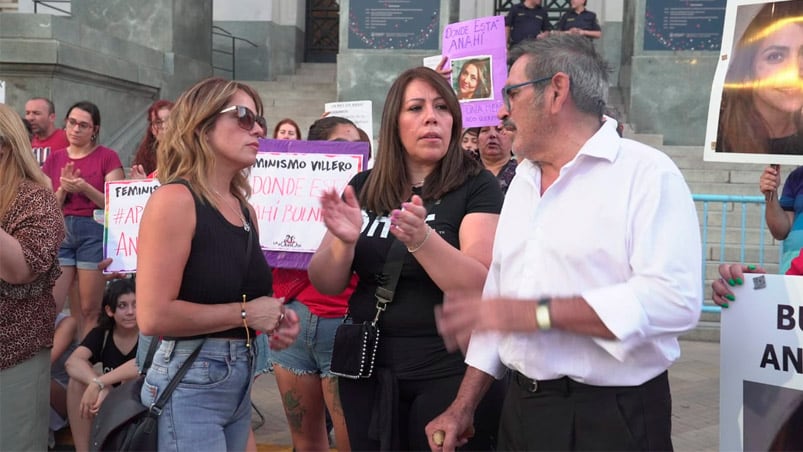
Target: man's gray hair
{"type": "Point", "coordinates": [573, 55]}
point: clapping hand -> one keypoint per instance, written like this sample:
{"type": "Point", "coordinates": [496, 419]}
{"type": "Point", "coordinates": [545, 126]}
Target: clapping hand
{"type": "Point", "coordinates": [342, 216]}
{"type": "Point", "coordinates": [71, 180]}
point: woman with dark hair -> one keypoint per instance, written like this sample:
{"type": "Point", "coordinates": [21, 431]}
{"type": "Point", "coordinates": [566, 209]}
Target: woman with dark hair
{"type": "Point", "coordinates": [762, 97]}
{"type": "Point", "coordinates": [144, 163]}
{"type": "Point", "coordinates": [31, 231]}
{"type": "Point", "coordinates": [78, 174]}
{"type": "Point", "coordinates": [113, 343]}
{"type": "Point", "coordinates": [473, 83]}
{"type": "Point", "coordinates": [287, 129]}
{"type": "Point", "coordinates": [202, 280]}
{"type": "Point", "coordinates": [425, 192]}
{"type": "Point", "coordinates": [469, 142]}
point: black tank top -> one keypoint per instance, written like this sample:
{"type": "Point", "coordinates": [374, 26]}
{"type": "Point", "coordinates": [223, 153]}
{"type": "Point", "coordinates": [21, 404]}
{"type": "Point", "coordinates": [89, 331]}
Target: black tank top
{"type": "Point", "coordinates": [218, 270]}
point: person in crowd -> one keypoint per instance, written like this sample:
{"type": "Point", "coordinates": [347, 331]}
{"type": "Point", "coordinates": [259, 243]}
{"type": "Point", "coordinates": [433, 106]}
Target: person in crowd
{"type": "Point", "coordinates": [31, 230]}
{"type": "Point", "coordinates": [78, 174]}
{"type": "Point", "coordinates": [526, 20]}
{"type": "Point", "coordinates": [202, 280]}
{"type": "Point", "coordinates": [496, 146]}
{"type": "Point", "coordinates": [302, 370]}
{"type": "Point", "coordinates": [287, 129]}
{"type": "Point", "coordinates": [144, 164]}
{"type": "Point", "coordinates": [113, 344]}
{"type": "Point", "coordinates": [762, 97]}
{"type": "Point", "coordinates": [63, 346]}
{"type": "Point", "coordinates": [424, 192]}
{"type": "Point", "coordinates": [473, 81]}
{"type": "Point", "coordinates": [579, 20]}
{"type": "Point", "coordinates": [41, 114]}
{"type": "Point", "coordinates": [784, 214]}
{"type": "Point", "coordinates": [590, 339]}
{"type": "Point", "coordinates": [469, 142]}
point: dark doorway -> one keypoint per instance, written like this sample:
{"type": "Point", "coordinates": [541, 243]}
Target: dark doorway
{"type": "Point", "coordinates": [322, 36]}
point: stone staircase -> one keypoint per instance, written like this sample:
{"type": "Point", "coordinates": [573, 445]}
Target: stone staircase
{"type": "Point", "coordinates": [300, 96]}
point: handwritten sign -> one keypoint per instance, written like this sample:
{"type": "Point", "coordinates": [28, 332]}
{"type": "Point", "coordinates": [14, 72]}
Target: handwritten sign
{"type": "Point", "coordinates": [359, 112]}
{"type": "Point", "coordinates": [477, 53]}
{"type": "Point", "coordinates": [287, 181]}
{"type": "Point", "coordinates": [125, 202]}
{"type": "Point", "coordinates": [761, 378]}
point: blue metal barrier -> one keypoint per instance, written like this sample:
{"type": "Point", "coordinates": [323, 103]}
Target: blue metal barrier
{"type": "Point", "coordinates": [725, 201]}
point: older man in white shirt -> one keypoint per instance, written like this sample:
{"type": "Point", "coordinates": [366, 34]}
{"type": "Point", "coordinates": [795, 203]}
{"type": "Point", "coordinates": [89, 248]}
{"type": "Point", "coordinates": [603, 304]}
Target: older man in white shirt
{"type": "Point", "coordinates": [595, 272]}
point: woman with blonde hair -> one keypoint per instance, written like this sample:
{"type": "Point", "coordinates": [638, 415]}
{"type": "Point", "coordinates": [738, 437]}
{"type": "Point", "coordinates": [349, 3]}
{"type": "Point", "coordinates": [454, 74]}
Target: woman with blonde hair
{"type": "Point", "coordinates": [31, 231]}
{"type": "Point", "coordinates": [202, 280]}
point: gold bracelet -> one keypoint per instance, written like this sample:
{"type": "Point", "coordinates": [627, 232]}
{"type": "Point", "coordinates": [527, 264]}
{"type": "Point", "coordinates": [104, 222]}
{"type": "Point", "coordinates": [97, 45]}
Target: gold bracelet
{"type": "Point", "coordinates": [418, 247]}
{"type": "Point", "coordinates": [543, 317]}
{"type": "Point", "coordinates": [245, 325]}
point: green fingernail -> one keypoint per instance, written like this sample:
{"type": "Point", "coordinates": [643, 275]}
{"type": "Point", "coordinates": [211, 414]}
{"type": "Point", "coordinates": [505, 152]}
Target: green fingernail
{"type": "Point", "coordinates": [731, 282]}
{"type": "Point", "coordinates": [724, 305]}
{"type": "Point", "coordinates": [751, 267]}
{"type": "Point", "coordinates": [730, 297]}
{"type": "Point", "coordinates": [739, 281]}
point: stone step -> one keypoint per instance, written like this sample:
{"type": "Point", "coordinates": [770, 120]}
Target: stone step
{"type": "Point", "coordinates": [310, 78]}
{"type": "Point", "coordinates": [290, 87]}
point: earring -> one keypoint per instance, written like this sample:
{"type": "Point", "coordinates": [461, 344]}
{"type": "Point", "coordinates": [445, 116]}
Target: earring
{"type": "Point", "coordinates": [94, 137]}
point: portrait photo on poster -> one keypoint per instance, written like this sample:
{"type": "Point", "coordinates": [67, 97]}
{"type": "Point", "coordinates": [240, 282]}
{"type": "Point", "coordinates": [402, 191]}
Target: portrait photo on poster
{"type": "Point", "coordinates": [472, 79]}
{"type": "Point", "coordinates": [754, 113]}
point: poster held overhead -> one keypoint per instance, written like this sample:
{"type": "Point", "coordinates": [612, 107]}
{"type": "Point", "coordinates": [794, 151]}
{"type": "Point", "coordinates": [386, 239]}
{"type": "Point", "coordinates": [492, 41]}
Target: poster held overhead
{"type": "Point", "coordinates": [477, 56]}
{"type": "Point", "coordinates": [754, 113]}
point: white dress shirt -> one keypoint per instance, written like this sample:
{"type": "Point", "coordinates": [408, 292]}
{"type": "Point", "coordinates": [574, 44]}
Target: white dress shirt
{"type": "Point", "coordinates": [617, 227]}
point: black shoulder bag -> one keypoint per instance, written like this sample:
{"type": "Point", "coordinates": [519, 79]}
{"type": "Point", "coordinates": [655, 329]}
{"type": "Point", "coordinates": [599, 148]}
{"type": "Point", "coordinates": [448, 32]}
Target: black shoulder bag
{"type": "Point", "coordinates": [355, 345]}
{"type": "Point", "coordinates": [123, 423]}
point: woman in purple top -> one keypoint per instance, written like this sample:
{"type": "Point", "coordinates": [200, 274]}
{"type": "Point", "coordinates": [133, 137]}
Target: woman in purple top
{"type": "Point", "coordinates": [78, 174]}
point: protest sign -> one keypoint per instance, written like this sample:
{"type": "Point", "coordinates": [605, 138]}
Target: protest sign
{"type": "Point", "coordinates": [287, 181]}
{"type": "Point", "coordinates": [477, 53]}
{"type": "Point", "coordinates": [359, 112]}
{"type": "Point", "coordinates": [756, 98]}
{"type": "Point", "coordinates": [761, 365]}
{"type": "Point", "coordinates": [125, 202]}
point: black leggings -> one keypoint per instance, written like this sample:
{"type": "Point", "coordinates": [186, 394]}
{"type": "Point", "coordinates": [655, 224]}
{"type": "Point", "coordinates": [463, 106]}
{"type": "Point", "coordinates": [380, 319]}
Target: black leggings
{"type": "Point", "coordinates": [419, 401]}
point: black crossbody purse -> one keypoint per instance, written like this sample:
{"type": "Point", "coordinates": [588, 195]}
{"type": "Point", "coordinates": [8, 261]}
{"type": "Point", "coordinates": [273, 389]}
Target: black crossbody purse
{"type": "Point", "coordinates": [355, 345]}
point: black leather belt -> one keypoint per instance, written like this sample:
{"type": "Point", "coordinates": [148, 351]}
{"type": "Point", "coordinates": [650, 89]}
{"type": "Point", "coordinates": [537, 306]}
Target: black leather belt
{"type": "Point", "coordinates": [566, 385]}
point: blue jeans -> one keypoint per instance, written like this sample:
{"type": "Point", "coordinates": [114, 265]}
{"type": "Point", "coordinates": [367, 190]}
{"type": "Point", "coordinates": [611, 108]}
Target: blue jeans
{"type": "Point", "coordinates": [311, 352]}
{"type": "Point", "coordinates": [211, 407]}
{"type": "Point", "coordinates": [83, 244]}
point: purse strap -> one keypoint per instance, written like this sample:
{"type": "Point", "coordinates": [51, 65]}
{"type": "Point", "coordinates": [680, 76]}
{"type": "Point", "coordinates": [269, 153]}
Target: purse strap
{"type": "Point", "coordinates": [157, 406]}
{"type": "Point", "coordinates": [149, 357]}
{"type": "Point", "coordinates": [392, 273]}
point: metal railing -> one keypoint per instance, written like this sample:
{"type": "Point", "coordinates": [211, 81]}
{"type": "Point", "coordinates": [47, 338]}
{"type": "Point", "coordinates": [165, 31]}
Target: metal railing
{"type": "Point", "coordinates": [47, 4]}
{"type": "Point", "coordinates": [739, 206]}
{"type": "Point", "coordinates": [218, 31]}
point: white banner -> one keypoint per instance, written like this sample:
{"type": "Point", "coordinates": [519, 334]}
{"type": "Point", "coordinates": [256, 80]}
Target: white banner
{"type": "Point", "coordinates": [761, 365]}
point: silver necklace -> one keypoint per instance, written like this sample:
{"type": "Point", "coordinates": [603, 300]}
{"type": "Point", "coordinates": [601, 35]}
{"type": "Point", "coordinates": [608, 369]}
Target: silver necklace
{"type": "Point", "coordinates": [246, 226]}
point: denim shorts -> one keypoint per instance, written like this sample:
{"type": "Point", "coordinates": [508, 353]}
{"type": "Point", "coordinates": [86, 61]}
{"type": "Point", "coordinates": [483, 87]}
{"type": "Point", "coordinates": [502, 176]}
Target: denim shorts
{"type": "Point", "coordinates": [83, 243]}
{"type": "Point", "coordinates": [311, 353]}
{"type": "Point", "coordinates": [211, 408]}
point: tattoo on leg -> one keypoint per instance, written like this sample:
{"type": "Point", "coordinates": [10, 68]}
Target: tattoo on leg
{"type": "Point", "coordinates": [335, 390]}
{"type": "Point", "coordinates": [294, 410]}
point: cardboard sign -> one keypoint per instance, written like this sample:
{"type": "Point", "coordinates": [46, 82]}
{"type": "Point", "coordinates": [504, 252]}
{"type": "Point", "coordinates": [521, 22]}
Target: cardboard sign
{"type": "Point", "coordinates": [125, 202]}
{"type": "Point", "coordinates": [287, 181]}
{"type": "Point", "coordinates": [761, 365]}
{"type": "Point", "coordinates": [477, 53]}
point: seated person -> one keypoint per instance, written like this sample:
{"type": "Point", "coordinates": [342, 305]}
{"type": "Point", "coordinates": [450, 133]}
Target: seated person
{"type": "Point", "coordinates": [113, 343]}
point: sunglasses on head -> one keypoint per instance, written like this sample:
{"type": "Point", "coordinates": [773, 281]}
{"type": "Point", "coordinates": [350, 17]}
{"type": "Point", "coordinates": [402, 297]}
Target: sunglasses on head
{"type": "Point", "coordinates": [247, 118]}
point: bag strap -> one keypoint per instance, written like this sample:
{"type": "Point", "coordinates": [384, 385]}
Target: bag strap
{"type": "Point", "coordinates": [392, 273]}
{"type": "Point", "coordinates": [149, 357]}
{"type": "Point", "coordinates": [156, 408]}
